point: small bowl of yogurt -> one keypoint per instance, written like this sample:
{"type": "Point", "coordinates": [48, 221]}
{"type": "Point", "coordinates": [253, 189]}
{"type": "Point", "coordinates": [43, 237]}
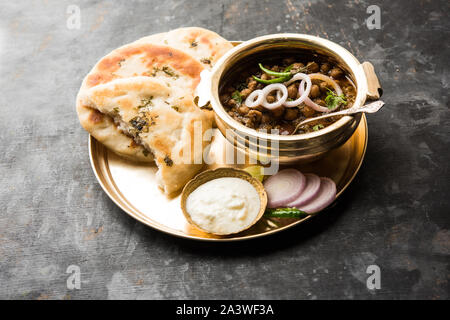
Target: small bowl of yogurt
{"type": "Point", "coordinates": [223, 201]}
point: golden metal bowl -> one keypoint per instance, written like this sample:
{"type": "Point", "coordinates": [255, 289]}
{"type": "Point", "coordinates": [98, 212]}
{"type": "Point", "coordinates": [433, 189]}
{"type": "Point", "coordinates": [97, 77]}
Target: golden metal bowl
{"type": "Point", "coordinates": [209, 175]}
{"type": "Point", "coordinates": [292, 148]}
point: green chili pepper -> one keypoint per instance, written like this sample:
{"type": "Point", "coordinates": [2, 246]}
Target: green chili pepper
{"type": "Point", "coordinates": [276, 80]}
{"type": "Point", "coordinates": [285, 213]}
{"type": "Point", "coordinates": [273, 73]}
{"type": "Point", "coordinates": [288, 68]}
{"type": "Point", "coordinates": [282, 76]}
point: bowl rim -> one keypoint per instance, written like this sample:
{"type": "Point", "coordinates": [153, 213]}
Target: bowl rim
{"type": "Point", "coordinates": [338, 50]}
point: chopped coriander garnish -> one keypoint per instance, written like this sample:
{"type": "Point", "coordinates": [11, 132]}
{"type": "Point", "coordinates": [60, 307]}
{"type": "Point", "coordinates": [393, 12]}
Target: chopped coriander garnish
{"type": "Point", "coordinates": [164, 69]}
{"type": "Point", "coordinates": [155, 70]}
{"type": "Point", "coordinates": [138, 123]}
{"type": "Point", "coordinates": [317, 127]}
{"type": "Point", "coordinates": [332, 100]}
{"type": "Point", "coordinates": [176, 108]}
{"type": "Point", "coordinates": [146, 102]}
{"type": "Point", "coordinates": [237, 97]}
{"type": "Point", "coordinates": [169, 72]}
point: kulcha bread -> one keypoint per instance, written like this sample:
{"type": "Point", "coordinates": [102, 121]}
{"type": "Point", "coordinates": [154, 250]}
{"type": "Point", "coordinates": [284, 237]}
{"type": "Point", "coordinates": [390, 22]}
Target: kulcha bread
{"type": "Point", "coordinates": [167, 124]}
{"type": "Point", "coordinates": [177, 69]}
{"type": "Point", "coordinates": [138, 101]}
{"type": "Point", "coordinates": [204, 45]}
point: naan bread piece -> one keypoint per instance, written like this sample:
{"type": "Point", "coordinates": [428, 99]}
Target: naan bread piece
{"type": "Point", "coordinates": [166, 124]}
{"type": "Point", "coordinates": [204, 45]}
{"type": "Point", "coordinates": [175, 68]}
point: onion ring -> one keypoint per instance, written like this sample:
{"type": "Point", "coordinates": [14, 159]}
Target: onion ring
{"type": "Point", "coordinates": [284, 187]}
{"type": "Point", "coordinates": [324, 197]}
{"type": "Point", "coordinates": [251, 102]}
{"type": "Point", "coordinates": [270, 88]}
{"type": "Point", "coordinates": [303, 95]}
{"type": "Point", "coordinates": [309, 192]}
{"type": "Point", "coordinates": [328, 80]}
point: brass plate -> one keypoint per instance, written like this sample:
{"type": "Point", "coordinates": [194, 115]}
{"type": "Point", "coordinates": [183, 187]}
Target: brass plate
{"type": "Point", "coordinates": [133, 188]}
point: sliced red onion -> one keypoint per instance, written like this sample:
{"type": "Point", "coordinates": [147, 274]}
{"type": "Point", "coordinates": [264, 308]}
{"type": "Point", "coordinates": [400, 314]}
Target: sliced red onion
{"type": "Point", "coordinates": [328, 80]}
{"type": "Point", "coordinates": [325, 196]}
{"type": "Point", "coordinates": [251, 102]}
{"type": "Point", "coordinates": [303, 96]}
{"type": "Point", "coordinates": [284, 187]}
{"type": "Point", "coordinates": [268, 89]}
{"type": "Point", "coordinates": [310, 191]}
{"type": "Point", "coordinates": [296, 77]}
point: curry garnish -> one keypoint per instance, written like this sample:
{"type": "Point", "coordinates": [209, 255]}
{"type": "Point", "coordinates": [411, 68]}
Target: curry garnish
{"type": "Point", "coordinates": [332, 100]}
{"type": "Point", "coordinates": [236, 95]}
{"type": "Point", "coordinates": [282, 76]}
{"type": "Point", "coordinates": [317, 127]}
{"type": "Point", "coordinates": [276, 80]}
{"type": "Point", "coordinates": [274, 73]}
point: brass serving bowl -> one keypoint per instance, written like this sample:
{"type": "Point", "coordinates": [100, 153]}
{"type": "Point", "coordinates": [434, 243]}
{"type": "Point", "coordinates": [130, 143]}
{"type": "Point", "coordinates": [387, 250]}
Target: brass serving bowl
{"type": "Point", "coordinates": [209, 175]}
{"type": "Point", "coordinates": [303, 147]}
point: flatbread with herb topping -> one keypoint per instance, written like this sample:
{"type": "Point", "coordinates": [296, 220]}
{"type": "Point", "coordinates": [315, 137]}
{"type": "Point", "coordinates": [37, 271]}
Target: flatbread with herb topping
{"type": "Point", "coordinates": [178, 70]}
{"type": "Point", "coordinates": [166, 124]}
{"type": "Point", "coordinates": [204, 45]}
{"type": "Point", "coordinates": [120, 102]}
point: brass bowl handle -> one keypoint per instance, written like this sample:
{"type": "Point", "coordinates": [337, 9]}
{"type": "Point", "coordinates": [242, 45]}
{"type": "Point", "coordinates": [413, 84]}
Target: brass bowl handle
{"type": "Point", "coordinates": [374, 90]}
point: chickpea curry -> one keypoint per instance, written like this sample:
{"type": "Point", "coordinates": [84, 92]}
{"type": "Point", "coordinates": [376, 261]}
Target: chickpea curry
{"type": "Point", "coordinates": [278, 96]}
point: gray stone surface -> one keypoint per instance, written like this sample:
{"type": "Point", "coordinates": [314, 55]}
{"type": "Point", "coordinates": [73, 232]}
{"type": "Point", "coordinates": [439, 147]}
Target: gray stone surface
{"type": "Point", "coordinates": [54, 214]}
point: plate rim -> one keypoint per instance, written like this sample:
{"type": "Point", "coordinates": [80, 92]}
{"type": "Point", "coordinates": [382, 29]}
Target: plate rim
{"type": "Point", "coordinates": [131, 211]}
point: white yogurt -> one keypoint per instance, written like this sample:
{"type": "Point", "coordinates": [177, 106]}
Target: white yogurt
{"type": "Point", "coordinates": [224, 205]}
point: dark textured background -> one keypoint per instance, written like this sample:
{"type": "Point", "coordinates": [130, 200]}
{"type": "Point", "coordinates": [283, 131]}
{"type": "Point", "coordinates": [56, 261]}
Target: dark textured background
{"type": "Point", "coordinates": [54, 214]}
